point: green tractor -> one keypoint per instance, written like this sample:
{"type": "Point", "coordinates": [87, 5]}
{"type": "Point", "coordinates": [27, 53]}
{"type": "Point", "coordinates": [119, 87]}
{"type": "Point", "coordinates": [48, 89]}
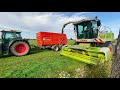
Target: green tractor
{"type": "Point", "coordinates": [11, 42]}
{"type": "Point", "coordinates": [93, 43]}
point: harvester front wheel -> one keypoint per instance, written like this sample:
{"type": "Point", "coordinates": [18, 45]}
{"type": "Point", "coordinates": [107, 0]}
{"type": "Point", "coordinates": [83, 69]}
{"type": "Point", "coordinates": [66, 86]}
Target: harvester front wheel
{"type": "Point", "coordinates": [20, 48]}
{"type": "Point", "coordinates": [110, 46]}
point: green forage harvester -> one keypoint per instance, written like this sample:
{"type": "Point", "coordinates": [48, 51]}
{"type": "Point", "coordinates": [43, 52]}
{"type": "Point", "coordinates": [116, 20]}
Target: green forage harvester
{"type": "Point", "coordinates": [93, 43]}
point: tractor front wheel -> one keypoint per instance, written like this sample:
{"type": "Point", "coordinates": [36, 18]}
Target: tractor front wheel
{"type": "Point", "coordinates": [20, 48]}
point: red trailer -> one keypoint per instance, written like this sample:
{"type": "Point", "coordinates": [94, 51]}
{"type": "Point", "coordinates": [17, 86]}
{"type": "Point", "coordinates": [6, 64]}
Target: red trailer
{"type": "Point", "coordinates": [54, 40]}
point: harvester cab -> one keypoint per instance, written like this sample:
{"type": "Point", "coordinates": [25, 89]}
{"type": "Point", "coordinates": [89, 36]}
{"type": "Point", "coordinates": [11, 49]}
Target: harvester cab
{"type": "Point", "coordinates": [93, 43]}
{"type": "Point", "coordinates": [11, 42]}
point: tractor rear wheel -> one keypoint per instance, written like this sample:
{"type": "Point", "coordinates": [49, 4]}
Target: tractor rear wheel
{"type": "Point", "coordinates": [20, 48]}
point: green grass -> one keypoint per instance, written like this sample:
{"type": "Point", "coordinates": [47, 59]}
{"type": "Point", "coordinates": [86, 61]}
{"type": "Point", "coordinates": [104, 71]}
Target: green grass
{"type": "Point", "coordinates": [33, 42]}
{"type": "Point", "coordinates": [71, 42]}
{"type": "Point", "coordinates": [49, 64]}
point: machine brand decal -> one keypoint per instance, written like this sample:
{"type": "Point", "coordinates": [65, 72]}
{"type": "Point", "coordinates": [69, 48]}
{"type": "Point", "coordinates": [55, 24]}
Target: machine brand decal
{"type": "Point", "coordinates": [83, 40]}
{"type": "Point", "coordinates": [46, 38]}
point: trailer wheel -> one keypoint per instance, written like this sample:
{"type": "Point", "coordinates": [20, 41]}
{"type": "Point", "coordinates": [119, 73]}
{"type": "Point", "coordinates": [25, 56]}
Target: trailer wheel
{"type": "Point", "coordinates": [55, 48]}
{"type": "Point", "coordinates": [60, 47]}
{"type": "Point", "coordinates": [20, 48]}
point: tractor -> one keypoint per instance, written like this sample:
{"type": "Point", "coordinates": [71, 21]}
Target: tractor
{"type": "Point", "coordinates": [93, 43]}
{"type": "Point", "coordinates": [11, 42]}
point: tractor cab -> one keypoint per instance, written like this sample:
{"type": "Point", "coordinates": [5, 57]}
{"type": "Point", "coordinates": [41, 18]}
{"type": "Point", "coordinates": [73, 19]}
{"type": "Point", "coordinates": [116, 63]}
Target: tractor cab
{"type": "Point", "coordinates": [11, 42]}
{"type": "Point", "coordinates": [10, 34]}
{"type": "Point", "coordinates": [87, 29]}
{"type": "Point", "coordinates": [6, 36]}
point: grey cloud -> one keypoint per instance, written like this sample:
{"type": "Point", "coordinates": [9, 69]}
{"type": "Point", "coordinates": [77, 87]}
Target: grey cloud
{"type": "Point", "coordinates": [36, 21]}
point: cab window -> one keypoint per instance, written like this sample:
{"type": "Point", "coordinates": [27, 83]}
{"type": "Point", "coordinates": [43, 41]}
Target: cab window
{"type": "Point", "coordinates": [94, 25]}
{"type": "Point", "coordinates": [0, 35]}
{"type": "Point", "coordinates": [9, 35]}
{"type": "Point", "coordinates": [18, 34]}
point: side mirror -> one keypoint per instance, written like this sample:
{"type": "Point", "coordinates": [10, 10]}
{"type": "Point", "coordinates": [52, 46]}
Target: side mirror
{"type": "Point", "coordinates": [98, 23]}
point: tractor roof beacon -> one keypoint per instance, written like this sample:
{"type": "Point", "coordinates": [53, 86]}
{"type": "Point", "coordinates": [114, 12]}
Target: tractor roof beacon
{"type": "Point", "coordinates": [93, 41]}
{"type": "Point", "coordinates": [11, 42]}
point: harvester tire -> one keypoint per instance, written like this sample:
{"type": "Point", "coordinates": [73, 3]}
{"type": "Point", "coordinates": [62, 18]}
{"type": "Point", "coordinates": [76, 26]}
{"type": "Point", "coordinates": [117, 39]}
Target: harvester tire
{"type": "Point", "coordinates": [110, 46]}
{"type": "Point", "coordinates": [19, 48]}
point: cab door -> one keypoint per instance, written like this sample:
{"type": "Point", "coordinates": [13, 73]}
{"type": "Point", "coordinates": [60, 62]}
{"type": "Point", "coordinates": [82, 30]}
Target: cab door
{"type": "Point", "coordinates": [8, 36]}
{"type": "Point", "coordinates": [0, 42]}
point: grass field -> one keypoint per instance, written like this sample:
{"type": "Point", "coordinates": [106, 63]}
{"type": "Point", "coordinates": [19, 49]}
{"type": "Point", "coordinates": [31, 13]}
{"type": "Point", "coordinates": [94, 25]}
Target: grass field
{"type": "Point", "coordinates": [49, 64]}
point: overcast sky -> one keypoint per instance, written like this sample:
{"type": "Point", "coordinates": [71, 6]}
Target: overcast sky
{"type": "Point", "coordinates": [32, 22]}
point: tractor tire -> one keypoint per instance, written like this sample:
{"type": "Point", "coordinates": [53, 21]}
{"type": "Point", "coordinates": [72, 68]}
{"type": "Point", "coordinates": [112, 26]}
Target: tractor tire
{"type": "Point", "coordinates": [55, 48]}
{"type": "Point", "coordinates": [19, 48]}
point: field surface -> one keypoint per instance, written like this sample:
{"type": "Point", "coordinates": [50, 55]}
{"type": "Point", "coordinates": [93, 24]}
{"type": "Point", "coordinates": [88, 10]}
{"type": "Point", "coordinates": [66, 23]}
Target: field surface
{"type": "Point", "coordinates": [49, 64]}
